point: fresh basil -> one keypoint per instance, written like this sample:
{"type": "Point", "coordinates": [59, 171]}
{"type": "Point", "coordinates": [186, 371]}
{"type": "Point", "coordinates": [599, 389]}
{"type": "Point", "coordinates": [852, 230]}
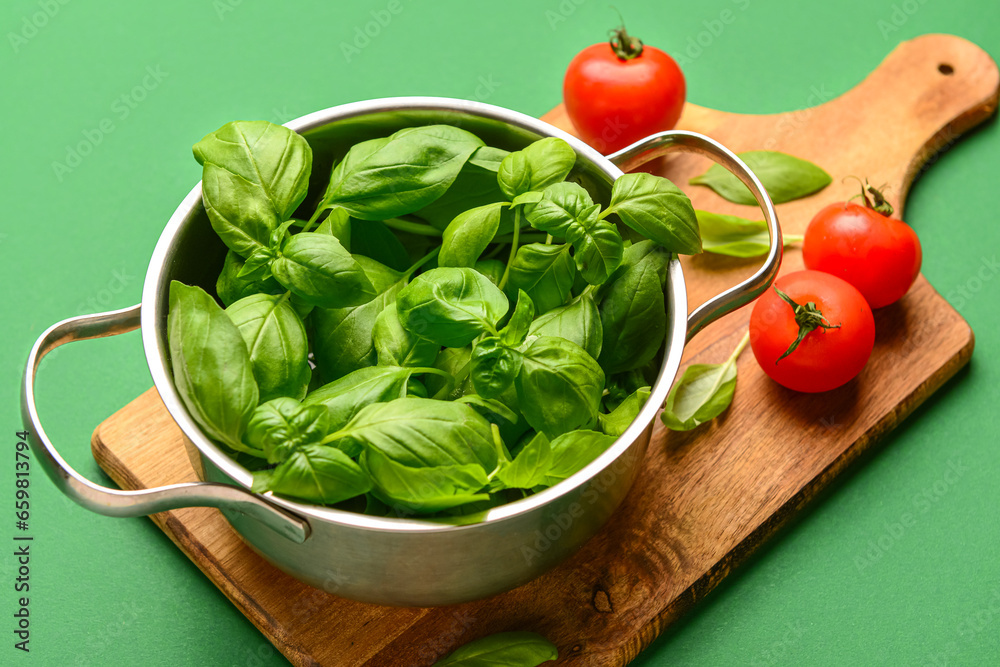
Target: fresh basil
{"type": "Point", "coordinates": [255, 175]}
{"type": "Point", "coordinates": [469, 234]}
{"type": "Point", "coordinates": [536, 167]}
{"type": "Point", "coordinates": [317, 269]}
{"type": "Point", "coordinates": [785, 178]}
{"type": "Point", "coordinates": [530, 467]}
{"type": "Point", "coordinates": [231, 286]}
{"type": "Point", "coordinates": [425, 489]}
{"type": "Point", "coordinates": [559, 387]}
{"type": "Point", "coordinates": [572, 451]}
{"type": "Point", "coordinates": [520, 321]}
{"type": "Point", "coordinates": [276, 340]}
{"type": "Point", "coordinates": [545, 273]}
{"type": "Point", "coordinates": [618, 420]}
{"type": "Point", "coordinates": [735, 236]}
{"type": "Point", "coordinates": [657, 209]}
{"type": "Point", "coordinates": [211, 366]}
{"type": "Point", "coordinates": [494, 366]}
{"type": "Point", "coordinates": [475, 186]}
{"type": "Point", "coordinates": [505, 649]}
{"type": "Point", "coordinates": [702, 393]}
{"type": "Point", "coordinates": [282, 425]}
{"type": "Point", "coordinates": [345, 397]}
{"type": "Point", "coordinates": [316, 474]}
{"type": "Point", "coordinates": [451, 306]}
{"type": "Point", "coordinates": [396, 346]}
{"type": "Point", "coordinates": [579, 322]}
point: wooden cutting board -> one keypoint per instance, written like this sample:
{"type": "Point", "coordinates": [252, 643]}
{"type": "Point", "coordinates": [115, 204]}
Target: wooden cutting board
{"type": "Point", "coordinates": [706, 499]}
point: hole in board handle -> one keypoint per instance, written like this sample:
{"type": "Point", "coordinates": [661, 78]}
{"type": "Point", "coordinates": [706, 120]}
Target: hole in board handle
{"type": "Point", "coordinates": [946, 69]}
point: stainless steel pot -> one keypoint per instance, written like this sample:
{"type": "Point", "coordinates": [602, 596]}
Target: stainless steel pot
{"type": "Point", "coordinates": [393, 561]}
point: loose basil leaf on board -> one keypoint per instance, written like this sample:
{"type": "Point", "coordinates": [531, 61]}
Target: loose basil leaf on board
{"type": "Point", "coordinates": [617, 421]}
{"type": "Point", "coordinates": [494, 366]}
{"type": "Point", "coordinates": [567, 211]}
{"type": "Point", "coordinates": [520, 649]}
{"type": "Point", "coordinates": [317, 269]}
{"type": "Point", "coordinates": [559, 387]}
{"type": "Point", "coordinates": [345, 397]}
{"type": "Point", "coordinates": [545, 272]}
{"type": "Point", "coordinates": [736, 237]}
{"type": "Point", "coordinates": [537, 166]}
{"type": "Point", "coordinates": [451, 305]}
{"type": "Point", "coordinates": [395, 346]}
{"type": "Point", "coordinates": [529, 467]}
{"type": "Point", "coordinates": [469, 233]}
{"type": "Point", "coordinates": [373, 239]}
{"type": "Point", "coordinates": [423, 489]}
{"type": "Point", "coordinates": [579, 322]}
{"type": "Point", "coordinates": [520, 321]}
{"type": "Point", "coordinates": [657, 209]}
{"type": "Point", "coordinates": [342, 337]}
{"type": "Point", "coordinates": [784, 177]}
{"type": "Point", "coordinates": [633, 315]}
{"type": "Point", "coordinates": [277, 342]}
{"type": "Point", "coordinates": [231, 286]}
{"type": "Point", "coordinates": [574, 450]}
{"type": "Point", "coordinates": [211, 366]}
{"type": "Point", "coordinates": [702, 393]}
{"type": "Point", "coordinates": [337, 224]}
{"type": "Point", "coordinates": [408, 171]}
{"type": "Point", "coordinates": [316, 474]}
{"type": "Point", "coordinates": [476, 185]}
{"type": "Point", "coordinates": [282, 425]}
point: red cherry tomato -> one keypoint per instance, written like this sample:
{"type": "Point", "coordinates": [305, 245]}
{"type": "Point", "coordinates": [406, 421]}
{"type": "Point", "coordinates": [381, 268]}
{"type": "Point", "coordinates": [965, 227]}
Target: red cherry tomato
{"type": "Point", "coordinates": [619, 92]}
{"type": "Point", "coordinates": [825, 358]}
{"type": "Point", "coordinates": [877, 254]}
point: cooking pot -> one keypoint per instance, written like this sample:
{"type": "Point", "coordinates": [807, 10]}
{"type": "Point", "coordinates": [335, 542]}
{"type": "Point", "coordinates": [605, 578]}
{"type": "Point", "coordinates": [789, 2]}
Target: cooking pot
{"type": "Point", "coordinates": [394, 561]}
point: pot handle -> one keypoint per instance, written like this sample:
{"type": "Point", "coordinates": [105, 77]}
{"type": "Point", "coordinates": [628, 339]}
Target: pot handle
{"type": "Point", "coordinates": [662, 143]}
{"type": "Point", "coordinates": [114, 502]}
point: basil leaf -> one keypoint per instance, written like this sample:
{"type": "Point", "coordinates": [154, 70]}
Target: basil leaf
{"type": "Point", "coordinates": [424, 489]}
{"type": "Point", "coordinates": [735, 236]}
{"type": "Point", "coordinates": [342, 338]}
{"type": "Point", "coordinates": [210, 364]}
{"type": "Point", "coordinates": [494, 366]}
{"type": "Point", "coordinates": [520, 321]}
{"type": "Point", "coordinates": [317, 269]}
{"type": "Point", "coordinates": [337, 224]}
{"type": "Point", "coordinates": [456, 361]}
{"type": "Point", "coordinates": [529, 467]}
{"type": "Point", "coordinates": [467, 236]}
{"type": "Point", "coordinates": [255, 174]}
{"type": "Point", "coordinates": [374, 239]}
{"type": "Point", "coordinates": [622, 416]}
{"type": "Point", "coordinates": [421, 432]}
{"type": "Point", "coordinates": [578, 321]}
{"type": "Point", "coordinates": [784, 177]}
{"type": "Point", "coordinates": [408, 171]}
{"type": "Point", "coordinates": [702, 393]}
{"type": "Point", "coordinates": [276, 340]}
{"type": "Point", "coordinates": [657, 209]}
{"type": "Point", "coordinates": [633, 315]}
{"type": "Point", "coordinates": [520, 649]}
{"type": "Point", "coordinates": [345, 397]}
{"type": "Point", "coordinates": [282, 425]}
{"type": "Point", "coordinates": [545, 273]}
{"type": "Point", "coordinates": [492, 409]}
{"type": "Point", "coordinates": [231, 286]}
{"type": "Point", "coordinates": [395, 346]}
{"type": "Point", "coordinates": [476, 185]}
{"type": "Point", "coordinates": [316, 474]}
{"type": "Point", "coordinates": [537, 166]}
{"type": "Point", "coordinates": [574, 450]}
{"type": "Point", "coordinates": [559, 387]}
{"type": "Point", "coordinates": [451, 306]}
{"type": "Point", "coordinates": [492, 269]}
{"type": "Point", "coordinates": [567, 211]}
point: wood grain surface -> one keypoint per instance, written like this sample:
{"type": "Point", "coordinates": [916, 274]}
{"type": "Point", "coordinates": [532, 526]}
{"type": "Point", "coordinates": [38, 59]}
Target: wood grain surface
{"type": "Point", "coordinates": [706, 499]}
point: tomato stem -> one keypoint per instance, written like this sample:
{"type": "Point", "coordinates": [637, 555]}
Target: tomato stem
{"type": "Point", "coordinates": [808, 317]}
{"type": "Point", "coordinates": [878, 202]}
{"type": "Point", "coordinates": [625, 46]}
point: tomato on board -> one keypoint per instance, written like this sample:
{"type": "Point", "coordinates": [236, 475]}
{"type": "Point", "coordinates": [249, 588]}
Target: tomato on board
{"type": "Point", "coordinates": [831, 321]}
{"type": "Point", "coordinates": [877, 254]}
{"type": "Point", "coordinates": [621, 91]}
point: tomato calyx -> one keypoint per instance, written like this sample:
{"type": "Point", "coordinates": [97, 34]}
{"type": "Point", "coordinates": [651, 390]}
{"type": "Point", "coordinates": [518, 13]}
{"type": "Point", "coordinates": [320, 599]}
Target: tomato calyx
{"type": "Point", "coordinates": [625, 46]}
{"type": "Point", "coordinates": [808, 317]}
{"type": "Point", "coordinates": [878, 202]}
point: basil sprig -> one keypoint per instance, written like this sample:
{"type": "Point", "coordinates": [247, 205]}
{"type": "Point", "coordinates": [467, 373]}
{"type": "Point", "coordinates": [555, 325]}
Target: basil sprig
{"type": "Point", "coordinates": [784, 176]}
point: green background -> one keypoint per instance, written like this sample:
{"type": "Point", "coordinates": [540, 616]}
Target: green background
{"type": "Point", "coordinates": [115, 591]}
